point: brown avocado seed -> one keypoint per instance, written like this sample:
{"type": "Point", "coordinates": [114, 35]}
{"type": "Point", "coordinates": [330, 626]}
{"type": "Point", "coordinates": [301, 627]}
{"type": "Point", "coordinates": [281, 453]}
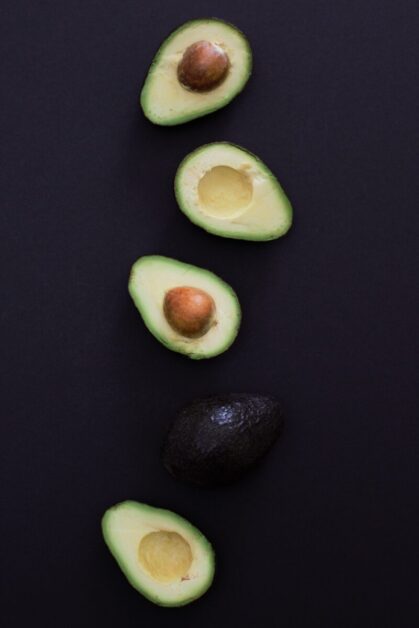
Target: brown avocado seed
{"type": "Point", "coordinates": [189, 311]}
{"type": "Point", "coordinates": [203, 66]}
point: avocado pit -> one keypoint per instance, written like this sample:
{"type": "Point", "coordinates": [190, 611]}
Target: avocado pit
{"type": "Point", "coordinates": [189, 311]}
{"type": "Point", "coordinates": [203, 67]}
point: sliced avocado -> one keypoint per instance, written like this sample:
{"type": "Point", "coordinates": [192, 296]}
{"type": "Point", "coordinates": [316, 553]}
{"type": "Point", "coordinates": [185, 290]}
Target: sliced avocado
{"type": "Point", "coordinates": [216, 439]}
{"type": "Point", "coordinates": [162, 555]}
{"type": "Point", "coordinates": [198, 69]}
{"type": "Point", "coordinates": [188, 309]}
{"type": "Point", "coordinates": [228, 191]}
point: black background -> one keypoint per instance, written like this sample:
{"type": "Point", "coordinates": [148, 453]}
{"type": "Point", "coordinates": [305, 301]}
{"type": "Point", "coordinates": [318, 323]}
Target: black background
{"type": "Point", "coordinates": [325, 532]}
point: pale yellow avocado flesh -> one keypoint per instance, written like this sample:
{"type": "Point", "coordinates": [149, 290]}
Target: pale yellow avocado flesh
{"type": "Point", "coordinates": [152, 276]}
{"type": "Point", "coordinates": [230, 192]}
{"type": "Point", "coordinates": [224, 192]}
{"type": "Point", "coordinates": [162, 555]}
{"type": "Point", "coordinates": [166, 101]}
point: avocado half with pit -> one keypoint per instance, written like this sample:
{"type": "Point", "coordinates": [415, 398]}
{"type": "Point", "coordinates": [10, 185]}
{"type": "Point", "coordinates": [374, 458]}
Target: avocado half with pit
{"type": "Point", "coordinates": [198, 69]}
{"type": "Point", "coordinates": [188, 309]}
{"type": "Point", "coordinates": [230, 192]}
{"type": "Point", "coordinates": [162, 555]}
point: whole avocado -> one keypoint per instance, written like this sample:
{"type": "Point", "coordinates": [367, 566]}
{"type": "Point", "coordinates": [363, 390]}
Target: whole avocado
{"type": "Point", "coordinates": [214, 440]}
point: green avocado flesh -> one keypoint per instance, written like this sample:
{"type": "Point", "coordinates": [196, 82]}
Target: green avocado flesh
{"type": "Point", "coordinates": [162, 555]}
{"type": "Point", "coordinates": [229, 192]}
{"type": "Point", "coordinates": [153, 277]}
{"type": "Point", "coordinates": [166, 101]}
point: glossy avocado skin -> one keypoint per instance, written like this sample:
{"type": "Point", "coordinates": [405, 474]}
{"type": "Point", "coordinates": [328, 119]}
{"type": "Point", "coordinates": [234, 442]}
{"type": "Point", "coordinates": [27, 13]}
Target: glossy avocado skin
{"type": "Point", "coordinates": [214, 440]}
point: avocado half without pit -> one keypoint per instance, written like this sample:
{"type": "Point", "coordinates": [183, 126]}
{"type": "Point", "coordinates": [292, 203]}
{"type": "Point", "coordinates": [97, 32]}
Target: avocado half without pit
{"type": "Point", "coordinates": [188, 309]}
{"type": "Point", "coordinates": [162, 555]}
{"type": "Point", "coordinates": [198, 69]}
{"type": "Point", "coordinates": [230, 192]}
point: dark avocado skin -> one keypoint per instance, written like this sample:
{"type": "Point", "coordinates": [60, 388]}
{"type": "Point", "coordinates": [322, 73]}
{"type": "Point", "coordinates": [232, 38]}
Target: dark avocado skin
{"type": "Point", "coordinates": [214, 440]}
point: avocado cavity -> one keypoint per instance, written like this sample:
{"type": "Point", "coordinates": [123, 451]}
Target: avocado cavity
{"type": "Point", "coordinates": [224, 192]}
{"type": "Point", "coordinates": [166, 556]}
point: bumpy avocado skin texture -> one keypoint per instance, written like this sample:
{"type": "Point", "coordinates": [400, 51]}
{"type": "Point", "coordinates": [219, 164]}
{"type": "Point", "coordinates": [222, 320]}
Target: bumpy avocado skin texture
{"type": "Point", "coordinates": [187, 117]}
{"type": "Point", "coordinates": [256, 235]}
{"type": "Point", "coordinates": [214, 440]}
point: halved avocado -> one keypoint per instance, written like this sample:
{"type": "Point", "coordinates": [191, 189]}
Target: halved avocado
{"type": "Point", "coordinates": [188, 309]}
{"type": "Point", "coordinates": [198, 69]}
{"type": "Point", "coordinates": [162, 555]}
{"type": "Point", "coordinates": [230, 192]}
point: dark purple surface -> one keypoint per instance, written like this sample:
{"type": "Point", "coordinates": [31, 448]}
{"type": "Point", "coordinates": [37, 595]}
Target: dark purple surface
{"type": "Point", "coordinates": [326, 532]}
{"type": "Point", "coordinates": [216, 439]}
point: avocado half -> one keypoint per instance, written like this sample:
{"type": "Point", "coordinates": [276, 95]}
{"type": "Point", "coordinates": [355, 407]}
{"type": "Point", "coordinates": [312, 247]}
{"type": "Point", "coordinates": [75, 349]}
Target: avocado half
{"type": "Point", "coordinates": [165, 100]}
{"type": "Point", "coordinates": [230, 192]}
{"type": "Point", "coordinates": [154, 277]}
{"type": "Point", "coordinates": [162, 555]}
